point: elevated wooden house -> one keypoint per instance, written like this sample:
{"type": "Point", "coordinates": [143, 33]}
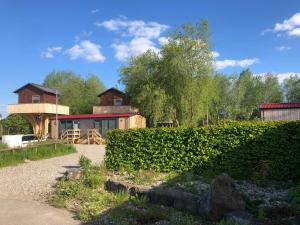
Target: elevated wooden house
{"type": "Point", "coordinates": [38, 104]}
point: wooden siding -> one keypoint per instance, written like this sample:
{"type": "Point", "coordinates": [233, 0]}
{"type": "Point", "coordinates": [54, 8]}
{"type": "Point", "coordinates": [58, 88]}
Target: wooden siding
{"type": "Point", "coordinates": [280, 114]}
{"type": "Point", "coordinates": [108, 98]}
{"type": "Point", "coordinates": [26, 95]}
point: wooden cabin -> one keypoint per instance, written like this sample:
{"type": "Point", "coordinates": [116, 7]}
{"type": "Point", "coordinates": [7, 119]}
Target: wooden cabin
{"type": "Point", "coordinates": [113, 112]}
{"type": "Point", "coordinates": [280, 111]}
{"type": "Point", "coordinates": [38, 104]}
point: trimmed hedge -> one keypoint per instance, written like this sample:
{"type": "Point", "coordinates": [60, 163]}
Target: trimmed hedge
{"type": "Point", "coordinates": [238, 148]}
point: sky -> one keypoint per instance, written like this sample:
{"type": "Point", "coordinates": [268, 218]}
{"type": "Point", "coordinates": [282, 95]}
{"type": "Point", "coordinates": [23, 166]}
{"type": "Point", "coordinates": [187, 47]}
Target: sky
{"type": "Point", "coordinates": [86, 36]}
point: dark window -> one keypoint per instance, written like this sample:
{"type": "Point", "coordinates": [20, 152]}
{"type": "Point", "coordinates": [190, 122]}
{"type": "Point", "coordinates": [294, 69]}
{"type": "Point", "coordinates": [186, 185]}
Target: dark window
{"type": "Point", "coordinates": [36, 99]}
{"type": "Point", "coordinates": [29, 137]}
{"type": "Point", "coordinates": [118, 102]}
{"type": "Point", "coordinates": [105, 125]}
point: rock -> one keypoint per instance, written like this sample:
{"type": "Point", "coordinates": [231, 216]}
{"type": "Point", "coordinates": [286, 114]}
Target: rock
{"type": "Point", "coordinates": [73, 174]}
{"type": "Point", "coordinates": [221, 199]}
{"type": "Point", "coordinates": [240, 217]}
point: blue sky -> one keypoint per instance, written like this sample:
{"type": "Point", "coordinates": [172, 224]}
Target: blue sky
{"type": "Point", "coordinates": [38, 37]}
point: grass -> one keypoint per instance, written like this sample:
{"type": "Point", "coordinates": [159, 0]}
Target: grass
{"type": "Point", "coordinates": [3, 146]}
{"type": "Point", "coordinates": [10, 158]}
{"type": "Point", "coordinates": [90, 201]}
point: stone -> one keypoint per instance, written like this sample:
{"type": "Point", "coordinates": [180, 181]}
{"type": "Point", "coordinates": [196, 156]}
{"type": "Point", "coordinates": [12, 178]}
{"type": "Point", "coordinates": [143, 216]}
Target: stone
{"type": "Point", "coordinates": [240, 217]}
{"type": "Point", "coordinates": [73, 174]}
{"type": "Point", "coordinates": [222, 198]}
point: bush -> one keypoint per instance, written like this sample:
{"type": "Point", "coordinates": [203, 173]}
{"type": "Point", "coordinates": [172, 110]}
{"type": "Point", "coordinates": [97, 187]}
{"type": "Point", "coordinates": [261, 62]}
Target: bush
{"type": "Point", "coordinates": [238, 148]}
{"type": "Point", "coordinates": [85, 162]}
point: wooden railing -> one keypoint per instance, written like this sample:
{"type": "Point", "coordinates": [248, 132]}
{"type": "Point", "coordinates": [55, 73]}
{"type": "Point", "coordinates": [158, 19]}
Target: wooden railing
{"type": "Point", "coordinates": [74, 137]}
{"type": "Point", "coordinates": [71, 136]}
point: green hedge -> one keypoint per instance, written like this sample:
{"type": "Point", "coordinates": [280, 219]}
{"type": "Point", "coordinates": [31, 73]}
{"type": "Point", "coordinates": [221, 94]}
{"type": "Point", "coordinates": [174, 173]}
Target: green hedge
{"type": "Point", "coordinates": [239, 148]}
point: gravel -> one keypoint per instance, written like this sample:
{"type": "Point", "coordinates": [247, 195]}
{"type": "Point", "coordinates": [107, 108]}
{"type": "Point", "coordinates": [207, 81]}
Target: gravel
{"type": "Point", "coordinates": [33, 180]}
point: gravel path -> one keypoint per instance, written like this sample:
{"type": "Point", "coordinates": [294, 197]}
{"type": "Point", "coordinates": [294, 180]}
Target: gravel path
{"type": "Point", "coordinates": [21, 185]}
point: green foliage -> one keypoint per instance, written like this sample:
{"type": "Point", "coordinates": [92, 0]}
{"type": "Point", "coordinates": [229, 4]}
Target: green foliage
{"type": "Point", "coordinates": [261, 215]}
{"type": "Point", "coordinates": [9, 158]}
{"type": "Point", "coordinates": [291, 87]}
{"type": "Point", "coordinates": [294, 194]}
{"type": "Point", "coordinates": [228, 222]}
{"type": "Point", "coordinates": [3, 146]}
{"type": "Point", "coordinates": [85, 162]}
{"type": "Point", "coordinates": [234, 147]}
{"type": "Point", "coordinates": [15, 124]}
{"type": "Point", "coordinates": [93, 181]}
{"type": "Point", "coordinates": [74, 89]}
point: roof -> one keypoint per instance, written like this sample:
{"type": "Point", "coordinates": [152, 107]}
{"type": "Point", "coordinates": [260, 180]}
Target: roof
{"type": "Point", "coordinates": [111, 89]}
{"type": "Point", "coordinates": [93, 116]}
{"type": "Point", "coordinates": [40, 87]}
{"type": "Point", "coordinates": [289, 105]}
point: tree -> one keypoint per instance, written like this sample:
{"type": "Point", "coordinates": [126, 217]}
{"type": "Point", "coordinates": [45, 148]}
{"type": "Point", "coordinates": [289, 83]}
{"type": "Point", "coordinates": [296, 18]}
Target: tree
{"type": "Point", "coordinates": [74, 89]}
{"type": "Point", "coordinates": [177, 83]}
{"type": "Point", "coordinates": [291, 88]}
{"type": "Point", "coordinates": [15, 124]}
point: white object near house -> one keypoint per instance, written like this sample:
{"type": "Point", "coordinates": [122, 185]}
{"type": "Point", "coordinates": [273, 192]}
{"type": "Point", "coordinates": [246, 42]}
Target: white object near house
{"type": "Point", "coordinates": [19, 140]}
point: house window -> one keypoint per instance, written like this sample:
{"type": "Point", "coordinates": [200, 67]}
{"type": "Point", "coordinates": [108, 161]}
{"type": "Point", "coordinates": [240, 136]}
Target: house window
{"type": "Point", "coordinates": [118, 102]}
{"type": "Point", "coordinates": [35, 99]}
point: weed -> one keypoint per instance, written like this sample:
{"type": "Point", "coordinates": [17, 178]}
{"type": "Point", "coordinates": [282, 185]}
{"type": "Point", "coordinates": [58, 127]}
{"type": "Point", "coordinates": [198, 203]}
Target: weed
{"type": "Point", "coordinates": [85, 162]}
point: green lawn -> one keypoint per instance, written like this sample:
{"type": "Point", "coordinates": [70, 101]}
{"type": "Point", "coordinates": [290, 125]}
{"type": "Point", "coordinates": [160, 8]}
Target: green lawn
{"type": "Point", "coordinates": [12, 158]}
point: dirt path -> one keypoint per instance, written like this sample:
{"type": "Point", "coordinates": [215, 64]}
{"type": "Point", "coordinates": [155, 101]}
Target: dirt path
{"type": "Point", "coordinates": [21, 185]}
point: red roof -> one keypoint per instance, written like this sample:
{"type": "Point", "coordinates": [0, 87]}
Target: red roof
{"type": "Point", "coordinates": [91, 116]}
{"type": "Point", "coordinates": [280, 105]}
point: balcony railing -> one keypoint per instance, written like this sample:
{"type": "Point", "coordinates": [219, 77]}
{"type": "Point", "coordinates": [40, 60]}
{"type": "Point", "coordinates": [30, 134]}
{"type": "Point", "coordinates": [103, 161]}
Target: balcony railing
{"type": "Point", "coordinates": [38, 108]}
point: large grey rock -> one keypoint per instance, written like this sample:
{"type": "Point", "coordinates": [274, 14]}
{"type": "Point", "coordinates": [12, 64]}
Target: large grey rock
{"type": "Point", "coordinates": [222, 198]}
{"type": "Point", "coordinates": [240, 217]}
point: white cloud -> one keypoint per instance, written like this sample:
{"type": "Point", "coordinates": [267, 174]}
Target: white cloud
{"type": "Point", "coordinates": [222, 64]}
{"type": "Point", "coordinates": [290, 26]}
{"type": "Point", "coordinates": [94, 11]}
{"type": "Point", "coordinates": [133, 28]}
{"type": "Point", "coordinates": [86, 50]}
{"type": "Point", "coordinates": [215, 54]}
{"type": "Point", "coordinates": [141, 36]}
{"type": "Point", "coordinates": [50, 52]}
{"type": "Point", "coordinates": [135, 47]}
{"type": "Point", "coordinates": [163, 40]}
{"type": "Point", "coordinates": [283, 48]}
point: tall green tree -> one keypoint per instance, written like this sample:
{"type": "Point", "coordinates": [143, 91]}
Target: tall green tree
{"type": "Point", "coordinates": [177, 83]}
{"type": "Point", "coordinates": [73, 89]}
{"type": "Point", "coordinates": [291, 88]}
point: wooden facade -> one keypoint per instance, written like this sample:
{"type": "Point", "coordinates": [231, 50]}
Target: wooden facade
{"type": "Point", "coordinates": [29, 92]}
{"type": "Point", "coordinates": [280, 111]}
{"type": "Point", "coordinates": [113, 112]}
{"type": "Point", "coordinates": [37, 104]}
{"type": "Point", "coordinates": [112, 97]}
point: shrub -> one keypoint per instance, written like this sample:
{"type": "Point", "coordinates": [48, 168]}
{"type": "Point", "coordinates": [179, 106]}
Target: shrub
{"type": "Point", "coordinates": [238, 148]}
{"type": "Point", "coordinates": [85, 162]}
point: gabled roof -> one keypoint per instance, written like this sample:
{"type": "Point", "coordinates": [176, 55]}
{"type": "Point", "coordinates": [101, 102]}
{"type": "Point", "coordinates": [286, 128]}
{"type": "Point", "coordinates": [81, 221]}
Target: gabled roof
{"type": "Point", "coordinates": [289, 105]}
{"type": "Point", "coordinates": [111, 89]}
{"type": "Point", "coordinates": [40, 87]}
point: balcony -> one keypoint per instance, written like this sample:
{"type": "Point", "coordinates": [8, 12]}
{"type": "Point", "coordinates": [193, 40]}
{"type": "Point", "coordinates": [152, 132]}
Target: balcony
{"type": "Point", "coordinates": [38, 108]}
{"type": "Point", "coordinates": [114, 109]}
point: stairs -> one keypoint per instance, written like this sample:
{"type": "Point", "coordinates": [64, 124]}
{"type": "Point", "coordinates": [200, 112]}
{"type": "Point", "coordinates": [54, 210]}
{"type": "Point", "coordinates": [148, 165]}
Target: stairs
{"type": "Point", "coordinates": [70, 136]}
{"type": "Point", "coordinates": [74, 137]}
{"type": "Point", "coordinates": [94, 137]}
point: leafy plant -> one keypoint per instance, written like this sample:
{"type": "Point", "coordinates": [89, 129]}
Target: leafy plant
{"type": "Point", "coordinates": [93, 181]}
{"type": "Point", "coordinates": [85, 162]}
{"type": "Point", "coordinates": [294, 194]}
{"type": "Point", "coordinates": [261, 215]}
{"type": "Point", "coordinates": [238, 148]}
